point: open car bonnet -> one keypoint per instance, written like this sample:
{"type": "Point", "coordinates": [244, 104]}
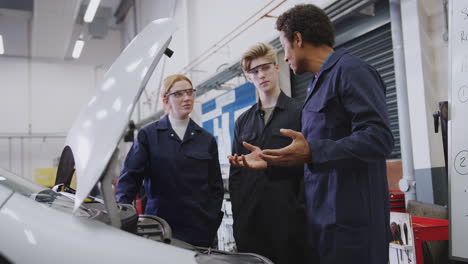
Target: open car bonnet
{"type": "Point", "coordinates": [96, 133]}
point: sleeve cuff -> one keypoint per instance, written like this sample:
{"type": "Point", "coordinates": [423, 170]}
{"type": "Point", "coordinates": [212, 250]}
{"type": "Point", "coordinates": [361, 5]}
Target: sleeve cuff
{"type": "Point", "coordinates": [314, 155]}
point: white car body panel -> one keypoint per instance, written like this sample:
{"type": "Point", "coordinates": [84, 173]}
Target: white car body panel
{"type": "Point", "coordinates": [34, 233]}
{"type": "Point", "coordinates": [4, 194]}
{"type": "Point", "coordinates": [96, 133]}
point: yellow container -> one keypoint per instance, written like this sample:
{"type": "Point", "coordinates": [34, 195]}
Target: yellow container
{"type": "Point", "coordinates": [46, 177]}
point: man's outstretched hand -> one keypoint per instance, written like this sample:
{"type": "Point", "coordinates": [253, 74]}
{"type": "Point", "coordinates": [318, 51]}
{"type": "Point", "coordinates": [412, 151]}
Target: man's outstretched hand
{"type": "Point", "coordinates": [251, 160]}
{"type": "Point", "coordinates": [296, 153]}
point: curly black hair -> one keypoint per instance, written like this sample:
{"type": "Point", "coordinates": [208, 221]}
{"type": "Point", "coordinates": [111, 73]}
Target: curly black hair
{"type": "Point", "coordinates": [309, 20]}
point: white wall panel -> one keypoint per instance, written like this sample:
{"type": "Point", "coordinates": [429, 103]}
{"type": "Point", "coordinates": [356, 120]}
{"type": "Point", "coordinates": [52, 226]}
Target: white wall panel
{"type": "Point", "coordinates": [10, 159]}
{"type": "Point", "coordinates": [416, 84]}
{"type": "Point", "coordinates": [59, 92]}
{"type": "Point", "coordinates": [426, 66]}
{"type": "Point", "coordinates": [437, 73]}
{"type": "Point", "coordinates": [14, 95]}
{"type": "Point", "coordinates": [39, 97]}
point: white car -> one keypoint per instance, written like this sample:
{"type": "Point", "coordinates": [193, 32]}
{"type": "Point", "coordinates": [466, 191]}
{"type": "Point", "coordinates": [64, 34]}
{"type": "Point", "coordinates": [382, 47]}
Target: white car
{"type": "Point", "coordinates": [41, 225]}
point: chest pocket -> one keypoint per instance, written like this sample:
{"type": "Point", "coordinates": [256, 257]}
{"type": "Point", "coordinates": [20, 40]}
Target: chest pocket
{"type": "Point", "coordinates": [249, 137]}
{"type": "Point", "coordinates": [326, 113]}
{"type": "Point", "coordinates": [197, 167]}
{"type": "Point", "coordinates": [199, 155]}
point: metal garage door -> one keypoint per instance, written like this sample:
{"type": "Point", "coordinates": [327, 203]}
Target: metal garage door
{"type": "Point", "coordinates": [375, 47]}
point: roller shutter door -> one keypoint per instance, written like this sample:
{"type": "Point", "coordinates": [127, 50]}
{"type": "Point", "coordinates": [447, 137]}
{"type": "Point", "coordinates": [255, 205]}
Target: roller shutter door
{"type": "Point", "coordinates": [375, 47]}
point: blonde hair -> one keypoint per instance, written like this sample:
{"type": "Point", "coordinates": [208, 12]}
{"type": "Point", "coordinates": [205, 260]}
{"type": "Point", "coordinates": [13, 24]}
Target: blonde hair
{"type": "Point", "coordinates": [258, 50]}
{"type": "Point", "coordinates": [167, 84]}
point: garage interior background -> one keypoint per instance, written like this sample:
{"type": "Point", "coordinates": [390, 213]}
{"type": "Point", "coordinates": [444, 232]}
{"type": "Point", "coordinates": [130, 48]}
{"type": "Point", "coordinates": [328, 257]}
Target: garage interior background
{"type": "Point", "coordinates": [44, 88]}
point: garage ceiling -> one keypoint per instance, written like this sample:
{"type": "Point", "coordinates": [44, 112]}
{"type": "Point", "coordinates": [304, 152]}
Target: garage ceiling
{"type": "Point", "coordinates": [49, 28]}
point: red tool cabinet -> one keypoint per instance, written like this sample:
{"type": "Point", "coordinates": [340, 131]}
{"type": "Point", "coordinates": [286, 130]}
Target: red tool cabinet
{"type": "Point", "coordinates": [427, 229]}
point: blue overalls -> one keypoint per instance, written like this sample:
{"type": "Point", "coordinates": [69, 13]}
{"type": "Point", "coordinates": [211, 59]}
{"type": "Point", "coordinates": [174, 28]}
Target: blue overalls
{"type": "Point", "coordinates": [182, 179]}
{"type": "Point", "coordinates": [345, 122]}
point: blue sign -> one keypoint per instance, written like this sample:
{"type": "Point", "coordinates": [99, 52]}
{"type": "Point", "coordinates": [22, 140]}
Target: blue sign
{"type": "Point", "coordinates": [219, 116]}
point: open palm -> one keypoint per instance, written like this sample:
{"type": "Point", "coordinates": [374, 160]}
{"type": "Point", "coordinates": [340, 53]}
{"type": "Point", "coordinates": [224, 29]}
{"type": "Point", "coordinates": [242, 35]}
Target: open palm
{"type": "Point", "coordinates": [251, 160]}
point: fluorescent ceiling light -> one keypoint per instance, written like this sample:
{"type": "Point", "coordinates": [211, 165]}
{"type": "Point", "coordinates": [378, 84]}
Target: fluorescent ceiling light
{"type": "Point", "coordinates": [91, 10]}
{"type": "Point", "coordinates": [77, 49]}
{"type": "Point", "coordinates": [2, 49]}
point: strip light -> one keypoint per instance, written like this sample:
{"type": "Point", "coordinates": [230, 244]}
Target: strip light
{"type": "Point", "coordinates": [77, 49]}
{"type": "Point", "coordinates": [2, 49]}
{"type": "Point", "coordinates": [91, 10]}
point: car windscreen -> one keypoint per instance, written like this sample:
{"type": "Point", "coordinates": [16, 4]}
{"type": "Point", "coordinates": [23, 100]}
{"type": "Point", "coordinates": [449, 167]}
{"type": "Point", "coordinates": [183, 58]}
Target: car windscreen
{"type": "Point", "coordinates": [39, 193]}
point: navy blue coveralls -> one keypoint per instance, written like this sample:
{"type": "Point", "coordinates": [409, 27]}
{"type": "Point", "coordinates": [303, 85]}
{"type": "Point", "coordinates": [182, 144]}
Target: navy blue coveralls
{"type": "Point", "coordinates": [268, 205]}
{"type": "Point", "coordinates": [345, 122]}
{"type": "Point", "coordinates": [182, 179]}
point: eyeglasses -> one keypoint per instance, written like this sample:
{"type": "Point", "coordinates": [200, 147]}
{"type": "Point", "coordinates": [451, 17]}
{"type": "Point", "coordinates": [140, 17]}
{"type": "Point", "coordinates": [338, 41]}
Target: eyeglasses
{"type": "Point", "coordinates": [180, 94]}
{"type": "Point", "coordinates": [263, 68]}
